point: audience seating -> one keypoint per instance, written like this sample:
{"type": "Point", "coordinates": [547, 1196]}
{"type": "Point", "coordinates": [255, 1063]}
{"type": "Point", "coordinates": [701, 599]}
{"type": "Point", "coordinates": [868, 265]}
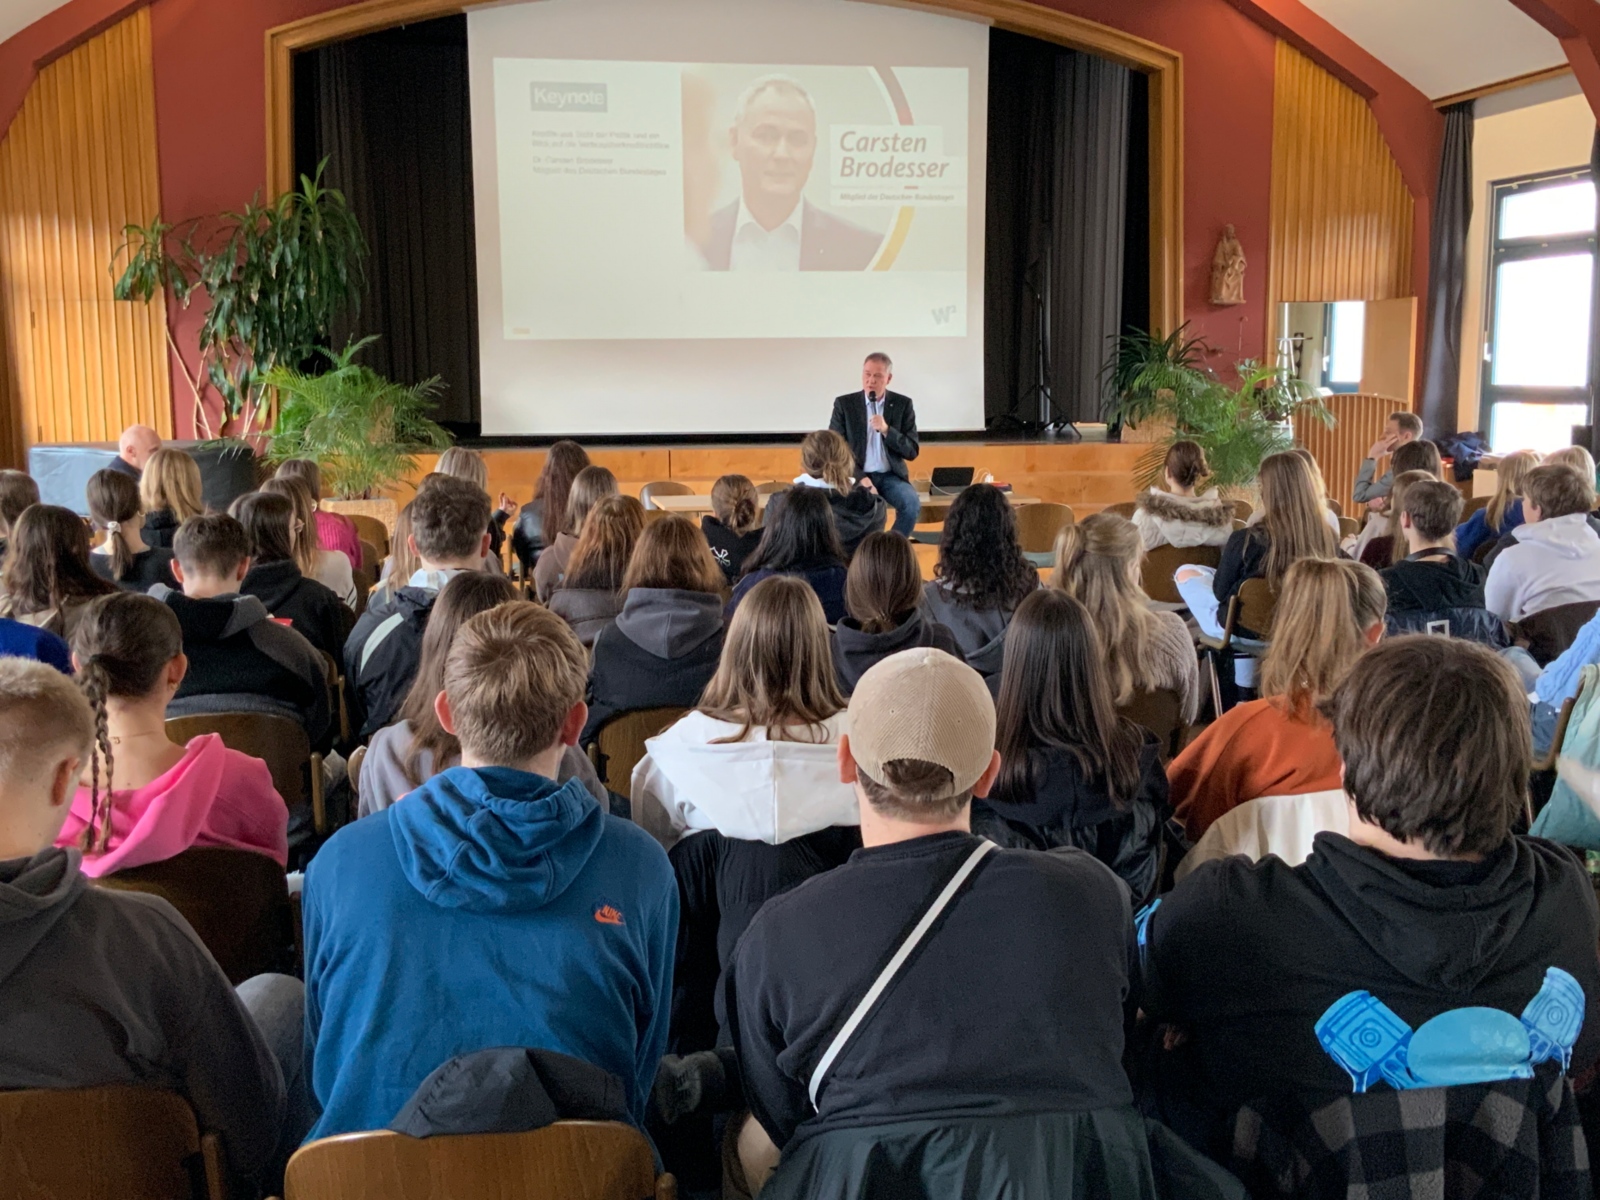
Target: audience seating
{"type": "Point", "coordinates": [1251, 608]}
{"type": "Point", "coordinates": [1242, 509]}
{"type": "Point", "coordinates": [1549, 632]}
{"type": "Point", "coordinates": [336, 699]}
{"type": "Point", "coordinates": [235, 900]}
{"type": "Point", "coordinates": [1547, 761]}
{"type": "Point", "coordinates": [1125, 508]}
{"type": "Point", "coordinates": [1038, 525]}
{"type": "Point", "coordinates": [357, 757]}
{"type": "Point", "coordinates": [1349, 527]}
{"type": "Point", "coordinates": [619, 744]}
{"type": "Point", "coordinates": [771, 487]}
{"type": "Point", "coordinates": [278, 741]}
{"type": "Point", "coordinates": [1475, 504]}
{"type": "Point", "coordinates": [1335, 507]}
{"type": "Point", "coordinates": [107, 1143]}
{"type": "Point", "coordinates": [1281, 825]}
{"type": "Point", "coordinates": [662, 487]}
{"type": "Point", "coordinates": [1162, 563]}
{"type": "Point", "coordinates": [370, 529]}
{"type": "Point", "coordinates": [570, 1160]}
{"type": "Point", "coordinates": [1161, 712]}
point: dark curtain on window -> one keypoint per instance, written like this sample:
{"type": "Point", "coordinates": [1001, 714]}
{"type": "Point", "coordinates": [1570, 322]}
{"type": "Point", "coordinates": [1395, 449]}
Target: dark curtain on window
{"type": "Point", "coordinates": [1058, 221]}
{"type": "Point", "coordinates": [1447, 274]}
{"type": "Point", "coordinates": [390, 112]}
{"type": "Point", "coordinates": [1594, 300]}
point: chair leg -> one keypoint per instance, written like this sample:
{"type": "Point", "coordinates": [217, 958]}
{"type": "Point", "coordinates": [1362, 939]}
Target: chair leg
{"type": "Point", "coordinates": [1216, 685]}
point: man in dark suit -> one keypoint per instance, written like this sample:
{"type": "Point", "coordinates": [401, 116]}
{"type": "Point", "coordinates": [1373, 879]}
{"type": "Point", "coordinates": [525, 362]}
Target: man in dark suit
{"type": "Point", "coordinates": [772, 227]}
{"type": "Point", "coordinates": [881, 427]}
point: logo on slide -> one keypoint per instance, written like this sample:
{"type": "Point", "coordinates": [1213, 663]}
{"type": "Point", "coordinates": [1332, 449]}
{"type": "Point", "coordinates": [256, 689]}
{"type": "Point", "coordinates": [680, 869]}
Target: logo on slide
{"type": "Point", "coordinates": [569, 97]}
{"type": "Point", "coordinates": [941, 316]}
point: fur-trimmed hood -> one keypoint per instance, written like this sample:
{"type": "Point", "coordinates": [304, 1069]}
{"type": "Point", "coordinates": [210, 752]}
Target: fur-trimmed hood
{"type": "Point", "coordinates": [1206, 509]}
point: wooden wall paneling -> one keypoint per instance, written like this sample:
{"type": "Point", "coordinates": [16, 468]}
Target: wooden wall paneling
{"type": "Point", "coordinates": [1341, 215]}
{"type": "Point", "coordinates": [1389, 348]}
{"type": "Point", "coordinates": [79, 163]}
{"type": "Point", "coordinates": [1359, 419]}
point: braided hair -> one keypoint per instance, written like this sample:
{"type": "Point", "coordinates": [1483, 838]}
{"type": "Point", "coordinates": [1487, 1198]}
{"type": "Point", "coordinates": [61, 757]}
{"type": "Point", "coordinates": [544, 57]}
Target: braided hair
{"type": "Point", "coordinates": [122, 645]}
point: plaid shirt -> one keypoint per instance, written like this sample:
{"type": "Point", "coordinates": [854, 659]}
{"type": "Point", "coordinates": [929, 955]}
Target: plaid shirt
{"type": "Point", "coordinates": [1518, 1137]}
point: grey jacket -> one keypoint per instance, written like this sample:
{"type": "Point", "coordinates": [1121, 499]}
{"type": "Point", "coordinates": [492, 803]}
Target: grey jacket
{"type": "Point", "coordinates": [980, 632]}
{"type": "Point", "coordinates": [587, 610]}
{"type": "Point", "coordinates": [1365, 489]}
{"type": "Point", "coordinates": [101, 987]}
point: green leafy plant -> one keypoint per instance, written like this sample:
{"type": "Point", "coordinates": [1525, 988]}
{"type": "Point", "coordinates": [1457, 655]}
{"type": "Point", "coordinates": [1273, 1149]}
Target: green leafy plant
{"type": "Point", "coordinates": [276, 276]}
{"type": "Point", "coordinates": [1144, 366]}
{"type": "Point", "coordinates": [364, 430]}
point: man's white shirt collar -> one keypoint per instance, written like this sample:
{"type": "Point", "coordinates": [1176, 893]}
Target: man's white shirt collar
{"type": "Point", "coordinates": [746, 218]}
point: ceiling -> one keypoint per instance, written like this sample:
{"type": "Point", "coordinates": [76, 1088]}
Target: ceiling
{"type": "Point", "coordinates": [17, 15]}
{"type": "Point", "coordinates": [1443, 47]}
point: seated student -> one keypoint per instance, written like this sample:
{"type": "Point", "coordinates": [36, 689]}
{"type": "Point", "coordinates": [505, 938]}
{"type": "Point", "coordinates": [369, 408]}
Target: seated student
{"type": "Point", "coordinates": [274, 578]}
{"type": "Point", "coordinates": [546, 514]}
{"type": "Point", "coordinates": [665, 644]}
{"type": "Point", "coordinates": [403, 756]}
{"type": "Point", "coordinates": [1556, 558]}
{"type": "Point", "coordinates": [1428, 906]}
{"type": "Point", "coordinates": [1432, 582]}
{"type": "Point", "coordinates": [590, 595]}
{"type": "Point", "coordinates": [462, 463]}
{"type": "Point", "coordinates": [1375, 545]}
{"type": "Point", "coordinates": [981, 577]}
{"type": "Point", "coordinates": [17, 492]}
{"type": "Point", "coordinates": [1330, 611]}
{"type": "Point", "coordinates": [448, 522]}
{"type": "Point", "coordinates": [1099, 562]}
{"type": "Point", "coordinates": [335, 531]}
{"type": "Point", "coordinates": [774, 689]}
{"type": "Point", "coordinates": [1576, 457]}
{"type": "Point", "coordinates": [330, 568]}
{"type": "Point", "coordinates": [1503, 513]}
{"type": "Point", "coordinates": [143, 797]}
{"type": "Point", "coordinates": [103, 987]}
{"type": "Point", "coordinates": [827, 463]}
{"type": "Point", "coordinates": [588, 487]}
{"type": "Point", "coordinates": [1292, 527]}
{"type": "Point", "coordinates": [240, 660]}
{"type": "Point", "coordinates": [734, 527]}
{"type": "Point", "coordinates": [1072, 772]}
{"type": "Point", "coordinates": [1559, 683]}
{"type": "Point", "coordinates": [799, 538]}
{"type": "Point", "coordinates": [47, 580]}
{"type": "Point", "coordinates": [123, 558]}
{"type": "Point", "coordinates": [1402, 427]}
{"type": "Point", "coordinates": [169, 494]}
{"type": "Point", "coordinates": [494, 906]}
{"type": "Point", "coordinates": [1001, 970]}
{"type": "Point", "coordinates": [1387, 549]}
{"type": "Point", "coordinates": [1181, 515]}
{"type": "Point", "coordinates": [883, 599]}
{"type": "Point", "coordinates": [1319, 488]}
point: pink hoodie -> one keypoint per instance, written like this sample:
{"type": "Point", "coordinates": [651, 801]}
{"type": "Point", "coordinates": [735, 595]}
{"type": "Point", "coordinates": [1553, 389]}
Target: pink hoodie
{"type": "Point", "coordinates": [335, 531]}
{"type": "Point", "coordinates": [212, 797]}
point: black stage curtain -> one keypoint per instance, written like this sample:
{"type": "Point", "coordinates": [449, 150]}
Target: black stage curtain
{"type": "Point", "coordinates": [390, 112]}
{"type": "Point", "coordinates": [1061, 133]}
{"type": "Point", "coordinates": [1447, 274]}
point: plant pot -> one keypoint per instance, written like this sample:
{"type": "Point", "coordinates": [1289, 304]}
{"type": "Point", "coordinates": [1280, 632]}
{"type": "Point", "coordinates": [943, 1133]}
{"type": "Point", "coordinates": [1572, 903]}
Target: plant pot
{"type": "Point", "coordinates": [1150, 430]}
{"type": "Point", "coordinates": [383, 509]}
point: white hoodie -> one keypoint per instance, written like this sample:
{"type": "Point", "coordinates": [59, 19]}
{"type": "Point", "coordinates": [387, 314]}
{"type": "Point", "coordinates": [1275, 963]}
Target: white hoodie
{"type": "Point", "coordinates": [1555, 561]}
{"type": "Point", "coordinates": [755, 790]}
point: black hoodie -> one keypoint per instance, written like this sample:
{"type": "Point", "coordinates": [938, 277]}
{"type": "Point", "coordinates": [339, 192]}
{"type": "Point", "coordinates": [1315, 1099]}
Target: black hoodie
{"type": "Point", "coordinates": [159, 528]}
{"type": "Point", "coordinates": [148, 568]}
{"type": "Point", "coordinates": [1431, 580]}
{"type": "Point", "coordinates": [660, 652]}
{"type": "Point", "coordinates": [382, 653]}
{"type": "Point", "coordinates": [855, 650]}
{"type": "Point", "coordinates": [312, 608]}
{"type": "Point", "coordinates": [730, 549]}
{"type": "Point", "coordinates": [1249, 957]}
{"type": "Point", "coordinates": [101, 987]}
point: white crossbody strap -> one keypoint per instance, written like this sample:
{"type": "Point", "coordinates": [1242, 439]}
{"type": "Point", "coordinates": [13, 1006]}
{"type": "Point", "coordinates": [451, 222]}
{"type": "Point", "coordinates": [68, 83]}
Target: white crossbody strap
{"type": "Point", "coordinates": [892, 968]}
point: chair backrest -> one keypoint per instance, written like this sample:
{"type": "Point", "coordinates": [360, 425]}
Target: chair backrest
{"type": "Point", "coordinates": [278, 741]}
{"type": "Point", "coordinates": [1281, 825]}
{"type": "Point", "coordinates": [570, 1160]}
{"type": "Point", "coordinates": [1038, 524]}
{"type": "Point", "coordinates": [1475, 504]}
{"type": "Point", "coordinates": [662, 487]}
{"type": "Point", "coordinates": [1257, 605]}
{"type": "Point", "coordinates": [358, 756]}
{"type": "Point", "coordinates": [1162, 563]}
{"type": "Point", "coordinates": [772, 487]}
{"type": "Point", "coordinates": [620, 742]}
{"type": "Point", "coordinates": [105, 1143]}
{"type": "Point", "coordinates": [370, 558]}
{"type": "Point", "coordinates": [1242, 509]}
{"type": "Point", "coordinates": [1335, 507]}
{"type": "Point", "coordinates": [1161, 712]}
{"type": "Point", "coordinates": [334, 673]}
{"type": "Point", "coordinates": [1349, 527]}
{"type": "Point", "coordinates": [236, 901]}
{"type": "Point", "coordinates": [1123, 508]}
{"type": "Point", "coordinates": [1551, 631]}
{"type": "Point", "coordinates": [370, 529]}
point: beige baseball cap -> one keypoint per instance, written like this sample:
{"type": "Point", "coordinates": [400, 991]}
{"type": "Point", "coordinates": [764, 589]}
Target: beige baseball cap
{"type": "Point", "coordinates": [927, 705]}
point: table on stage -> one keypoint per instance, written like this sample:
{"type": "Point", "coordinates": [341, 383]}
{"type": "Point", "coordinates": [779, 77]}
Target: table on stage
{"type": "Point", "coordinates": [934, 508]}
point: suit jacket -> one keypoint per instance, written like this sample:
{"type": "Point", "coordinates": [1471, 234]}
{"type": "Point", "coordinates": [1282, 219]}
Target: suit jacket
{"type": "Point", "coordinates": [827, 242]}
{"type": "Point", "coordinates": [899, 440]}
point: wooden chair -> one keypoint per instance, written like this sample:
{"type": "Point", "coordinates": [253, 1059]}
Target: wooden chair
{"type": "Point", "coordinates": [336, 698]}
{"type": "Point", "coordinates": [1162, 563]}
{"type": "Point", "coordinates": [1242, 509]}
{"type": "Point", "coordinates": [772, 487]}
{"type": "Point", "coordinates": [1348, 527]}
{"type": "Point", "coordinates": [370, 529]}
{"type": "Point", "coordinates": [662, 487]}
{"type": "Point", "coordinates": [1550, 631]}
{"type": "Point", "coordinates": [357, 757]}
{"type": "Point", "coordinates": [1038, 525]}
{"type": "Point", "coordinates": [106, 1143]}
{"type": "Point", "coordinates": [570, 1160]}
{"type": "Point", "coordinates": [1475, 504]}
{"type": "Point", "coordinates": [1125, 508]}
{"type": "Point", "coordinates": [619, 744]}
{"type": "Point", "coordinates": [1335, 507]}
{"type": "Point", "coordinates": [278, 741]}
{"type": "Point", "coordinates": [1252, 608]}
{"type": "Point", "coordinates": [1547, 761]}
{"type": "Point", "coordinates": [1161, 712]}
{"type": "Point", "coordinates": [235, 900]}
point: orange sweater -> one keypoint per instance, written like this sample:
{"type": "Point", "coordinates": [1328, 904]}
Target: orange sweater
{"type": "Point", "coordinates": [1255, 750]}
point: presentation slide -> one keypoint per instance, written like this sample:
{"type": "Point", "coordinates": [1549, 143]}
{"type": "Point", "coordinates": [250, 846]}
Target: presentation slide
{"type": "Point", "coordinates": [706, 226]}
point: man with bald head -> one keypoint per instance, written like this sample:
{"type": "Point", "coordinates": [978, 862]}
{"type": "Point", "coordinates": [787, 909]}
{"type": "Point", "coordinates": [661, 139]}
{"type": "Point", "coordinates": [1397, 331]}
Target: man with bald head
{"type": "Point", "coordinates": [134, 448]}
{"type": "Point", "coordinates": [772, 226]}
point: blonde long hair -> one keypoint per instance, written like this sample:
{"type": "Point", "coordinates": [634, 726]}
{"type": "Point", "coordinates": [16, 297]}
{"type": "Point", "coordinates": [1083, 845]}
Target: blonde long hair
{"type": "Point", "coordinates": [827, 456]}
{"type": "Point", "coordinates": [1292, 515]}
{"type": "Point", "coordinates": [776, 669]}
{"type": "Point", "coordinates": [462, 463]}
{"type": "Point", "coordinates": [1325, 608]}
{"type": "Point", "coordinates": [1513, 473]}
{"type": "Point", "coordinates": [1098, 563]}
{"type": "Point", "coordinates": [171, 482]}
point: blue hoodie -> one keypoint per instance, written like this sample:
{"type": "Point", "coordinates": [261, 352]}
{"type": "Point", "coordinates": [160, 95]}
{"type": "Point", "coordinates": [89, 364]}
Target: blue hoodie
{"type": "Point", "coordinates": [489, 907]}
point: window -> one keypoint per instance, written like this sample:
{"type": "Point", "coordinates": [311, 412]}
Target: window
{"type": "Point", "coordinates": [1541, 281]}
{"type": "Point", "coordinates": [1347, 334]}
